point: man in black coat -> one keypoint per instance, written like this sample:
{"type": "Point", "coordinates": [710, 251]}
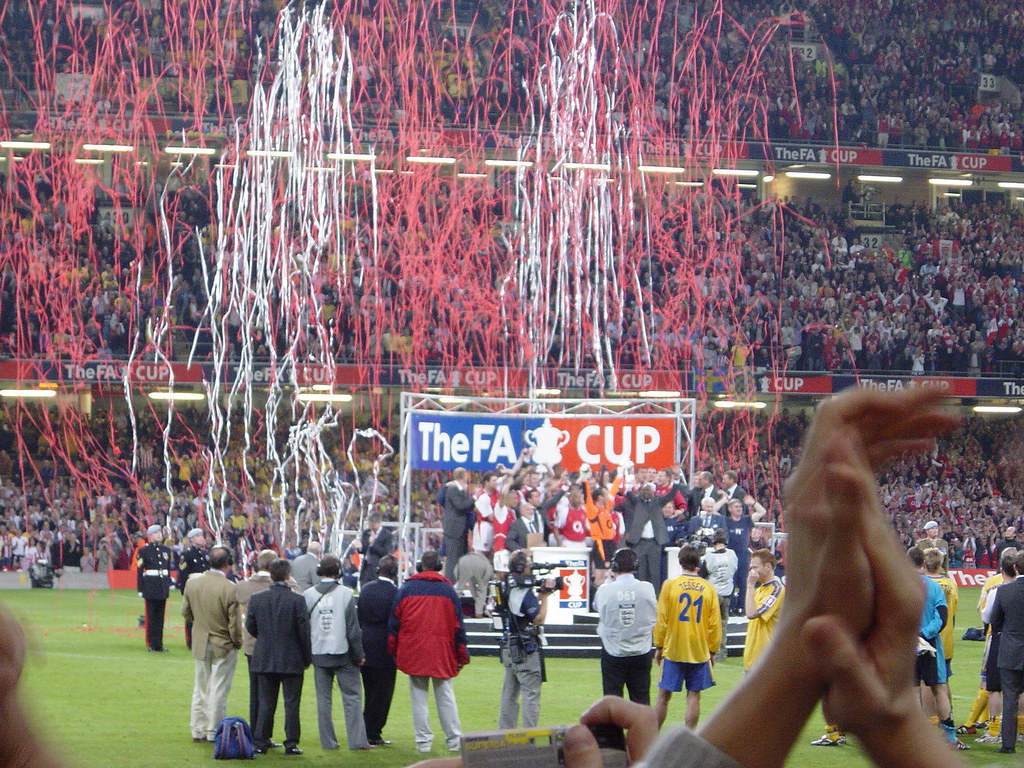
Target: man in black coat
{"type": "Point", "coordinates": [278, 620]}
{"type": "Point", "coordinates": [646, 532]}
{"type": "Point", "coordinates": [1008, 621]}
{"type": "Point", "coordinates": [375, 542]}
{"type": "Point", "coordinates": [703, 488]}
{"type": "Point", "coordinates": [378, 670]}
{"type": "Point", "coordinates": [456, 503]}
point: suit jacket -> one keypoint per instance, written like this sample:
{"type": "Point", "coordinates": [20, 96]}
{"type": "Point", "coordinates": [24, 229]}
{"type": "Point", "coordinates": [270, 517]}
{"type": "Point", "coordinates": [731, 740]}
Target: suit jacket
{"type": "Point", "coordinates": [637, 511]}
{"type": "Point", "coordinates": [457, 504]}
{"type": "Point", "coordinates": [516, 538]}
{"type": "Point", "coordinates": [716, 522]}
{"type": "Point", "coordinates": [278, 620]}
{"type": "Point", "coordinates": [1008, 619]}
{"type": "Point", "coordinates": [258, 582]}
{"type": "Point", "coordinates": [372, 554]}
{"type": "Point", "coordinates": [304, 571]}
{"type": "Point", "coordinates": [374, 611]}
{"type": "Point", "coordinates": [737, 493]}
{"type": "Point", "coordinates": [697, 494]}
{"type": "Point", "coordinates": [210, 602]}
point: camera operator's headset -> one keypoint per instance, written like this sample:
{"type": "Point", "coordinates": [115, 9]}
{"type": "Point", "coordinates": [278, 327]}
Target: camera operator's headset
{"type": "Point", "coordinates": [517, 565]}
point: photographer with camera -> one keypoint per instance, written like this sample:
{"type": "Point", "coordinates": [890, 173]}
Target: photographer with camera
{"type": "Point", "coordinates": [523, 613]}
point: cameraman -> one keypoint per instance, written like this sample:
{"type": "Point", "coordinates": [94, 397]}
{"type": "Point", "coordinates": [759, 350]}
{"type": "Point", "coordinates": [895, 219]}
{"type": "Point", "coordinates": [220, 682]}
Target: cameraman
{"type": "Point", "coordinates": [520, 649]}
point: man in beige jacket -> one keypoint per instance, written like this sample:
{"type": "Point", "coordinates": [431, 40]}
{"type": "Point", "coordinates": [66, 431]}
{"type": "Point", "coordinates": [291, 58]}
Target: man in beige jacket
{"type": "Point", "coordinates": [211, 604]}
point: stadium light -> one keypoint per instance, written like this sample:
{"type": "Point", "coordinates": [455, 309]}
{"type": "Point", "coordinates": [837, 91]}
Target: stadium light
{"type": "Point", "coordinates": [740, 404]}
{"type": "Point", "coordinates": [509, 163]}
{"type": "Point", "coordinates": [951, 182]}
{"type": "Point", "coordinates": [660, 169]}
{"type": "Point", "coordinates": [997, 409]}
{"type": "Point", "coordinates": [322, 387]}
{"type": "Point", "coordinates": [176, 150]}
{"type": "Point", "coordinates": [428, 159]}
{"type": "Point", "coordinates": [25, 144]}
{"type": "Point", "coordinates": [767, 178]}
{"type": "Point", "coordinates": [269, 153]}
{"type": "Point", "coordinates": [89, 160]}
{"type": "Point", "coordinates": [880, 179]}
{"type": "Point", "coordinates": [661, 393]}
{"type": "Point", "coordinates": [747, 186]}
{"type": "Point", "coordinates": [808, 175]}
{"type": "Point", "coordinates": [354, 157]}
{"type": "Point", "coordinates": [689, 183]}
{"type": "Point", "coordinates": [176, 396]}
{"type": "Point", "coordinates": [322, 397]}
{"type": "Point", "coordinates": [109, 147]}
{"type": "Point", "coordinates": [1011, 184]}
{"type": "Point", "coordinates": [587, 166]}
{"type": "Point", "coordinates": [27, 393]}
{"type": "Point", "coordinates": [543, 392]}
{"type": "Point", "coordinates": [225, 165]}
{"type": "Point", "coordinates": [735, 172]}
{"type": "Point", "coordinates": [472, 175]}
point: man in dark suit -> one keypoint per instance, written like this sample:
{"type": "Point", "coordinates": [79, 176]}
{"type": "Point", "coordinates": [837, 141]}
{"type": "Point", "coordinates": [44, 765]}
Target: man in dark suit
{"type": "Point", "coordinates": [1008, 621]}
{"type": "Point", "coordinates": [530, 520]}
{"type": "Point", "coordinates": [646, 532]}
{"type": "Point", "coordinates": [278, 620]}
{"type": "Point", "coordinates": [730, 489]}
{"type": "Point", "coordinates": [706, 519]}
{"type": "Point", "coordinates": [375, 542]}
{"type": "Point", "coordinates": [703, 488]}
{"type": "Point", "coordinates": [456, 503]}
{"type": "Point", "coordinates": [378, 670]}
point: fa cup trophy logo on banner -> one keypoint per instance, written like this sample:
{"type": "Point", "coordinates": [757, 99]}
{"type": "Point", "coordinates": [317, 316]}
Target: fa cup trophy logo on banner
{"type": "Point", "coordinates": [547, 441]}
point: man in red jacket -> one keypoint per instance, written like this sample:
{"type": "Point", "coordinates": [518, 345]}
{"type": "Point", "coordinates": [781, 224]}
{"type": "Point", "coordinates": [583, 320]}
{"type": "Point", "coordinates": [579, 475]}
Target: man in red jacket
{"type": "Point", "coordinates": [428, 642]}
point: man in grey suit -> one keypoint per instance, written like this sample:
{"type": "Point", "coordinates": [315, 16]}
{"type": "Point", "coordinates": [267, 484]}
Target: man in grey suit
{"type": "Point", "coordinates": [646, 532]}
{"type": "Point", "coordinates": [474, 572]}
{"type": "Point", "coordinates": [457, 504]}
{"type": "Point", "coordinates": [337, 655]}
{"type": "Point", "coordinates": [210, 603]}
{"type": "Point", "coordinates": [1008, 621]}
{"type": "Point", "coordinates": [304, 566]}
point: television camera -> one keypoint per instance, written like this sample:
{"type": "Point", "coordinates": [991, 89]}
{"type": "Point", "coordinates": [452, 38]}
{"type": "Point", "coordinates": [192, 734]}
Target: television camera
{"type": "Point", "coordinates": [518, 635]}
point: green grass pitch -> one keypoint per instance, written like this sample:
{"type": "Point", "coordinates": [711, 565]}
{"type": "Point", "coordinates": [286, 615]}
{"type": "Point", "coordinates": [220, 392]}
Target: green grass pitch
{"type": "Point", "coordinates": [105, 702]}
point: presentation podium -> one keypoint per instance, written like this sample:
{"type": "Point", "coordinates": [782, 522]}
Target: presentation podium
{"type": "Point", "coordinates": [573, 565]}
{"type": "Point", "coordinates": [672, 556]}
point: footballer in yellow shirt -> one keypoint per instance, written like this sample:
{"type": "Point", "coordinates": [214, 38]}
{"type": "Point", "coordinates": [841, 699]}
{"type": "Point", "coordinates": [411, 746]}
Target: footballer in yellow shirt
{"type": "Point", "coordinates": [764, 600]}
{"type": "Point", "coordinates": [687, 635]}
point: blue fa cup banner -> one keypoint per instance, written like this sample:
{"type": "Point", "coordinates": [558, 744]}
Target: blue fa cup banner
{"type": "Point", "coordinates": [480, 442]}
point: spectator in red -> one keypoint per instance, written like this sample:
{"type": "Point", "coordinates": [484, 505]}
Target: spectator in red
{"type": "Point", "coordinates": [428, 641]}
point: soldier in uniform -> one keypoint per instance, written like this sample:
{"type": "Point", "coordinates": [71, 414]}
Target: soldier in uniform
{"type": "Point", "coordinates": [154, 578]}
{"type": "Point", "coordinates": [194, 560]}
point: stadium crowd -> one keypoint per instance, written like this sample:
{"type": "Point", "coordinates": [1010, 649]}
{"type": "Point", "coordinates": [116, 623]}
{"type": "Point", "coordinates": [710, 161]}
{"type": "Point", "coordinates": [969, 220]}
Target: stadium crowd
{"type": "Point", "coordinates": [901, 75]}
{"type": "Point", "coordinates": [971, 485]}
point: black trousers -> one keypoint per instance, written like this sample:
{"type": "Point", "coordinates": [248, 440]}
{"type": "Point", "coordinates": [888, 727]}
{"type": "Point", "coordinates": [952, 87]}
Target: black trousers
{"type": "Point", "coordinates": [254, 693]}
{"type": "Point", "coordinates": [269, 685]}
{"type": "Point", "coordinates": [1013, 685]}
{"type": "Point", "coordinates": [155, 610]}
{"type": "Point", "coordinates": [378, 689]}
{"type": "Point", "coordinates": [631, 672]}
